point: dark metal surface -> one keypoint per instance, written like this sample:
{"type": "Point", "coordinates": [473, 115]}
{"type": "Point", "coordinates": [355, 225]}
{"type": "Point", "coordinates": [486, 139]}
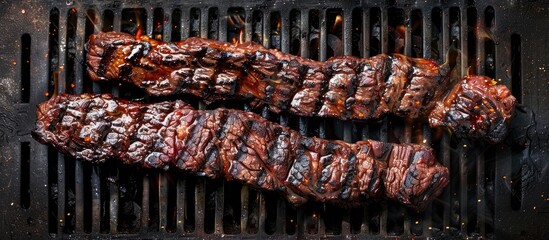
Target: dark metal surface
{"type": "Point", "coordinates": [496, 191]}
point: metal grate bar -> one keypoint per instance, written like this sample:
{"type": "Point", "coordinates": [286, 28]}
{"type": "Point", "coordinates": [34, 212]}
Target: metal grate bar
{"type": "Point", "coordinates": [200, 205]}
{"type": "Point", "coordinates": [244, 196]}
{"type": "Point", "coordinates": [347, 125]}
{"type": "Point", "coordinates": [164, 177]}
{"type": "Point", "coordinates": [112, 171]}
{"type": "Point", "coordinates": [463, 199]}
{"type": "Point", "coordinates": [285, 34]}
{"type": "Point", "coordinates": [96, 201]}
{"type": "Point", "coordinates": [303, 121]}
{"type": "Point", "coordinates": [445, 141]}
{"type": "Point", "coordinates": [465, 153]}
{"type": "Point", "coordinates": [365, 224]}
{"type": "Point", "coordinates": [262, 214]}
{"type": "Point", "coordinates": [78, 88]}
{"type": "Point", "coordinates": [427, 216]}
{"type": "Point", "coordinates": [61, 158]}
{"type": "Point", "coordinates": [222, 33]}
{"type": "Point", "coordinates": [163, 200]}
{"type": "Point", "coordinates": [384, 216]}
{"type": "Point", "coordinates": [408, 124]}
{"type": "Point", "coordinates": [185, 22]}
{"type": "Point", "coordinates": [322, 126]}
{"type": "Point", "coordinates": [181, 210]}
{"type": "Point", "coordinates": [285, 40]}
{"type": "Point", "coordinates": [145, 210]}
{"type": "Point", "coordinates": [366, 32]}
{"type": "Point", "coordinates": [304, 41]}
{"type": "Point", "coordinates": [219, 208]}
{"type": "Point", "coordinates": [113, 203]}
{"type": "Point", "coordinates": [266, 34]}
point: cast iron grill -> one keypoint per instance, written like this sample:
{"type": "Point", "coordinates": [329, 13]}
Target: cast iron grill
{"type": "Point", "coordinates": [494, 190]}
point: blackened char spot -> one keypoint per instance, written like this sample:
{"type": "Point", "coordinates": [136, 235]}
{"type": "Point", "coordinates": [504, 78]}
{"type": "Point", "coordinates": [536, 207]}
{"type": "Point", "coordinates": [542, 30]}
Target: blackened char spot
{"type": "Point", "coordinates": [386, 73]}
{"type": "Point", "coordinates": [420, 201]}
{"type": "Point", "coordinates": [139, 50]}
{"type": "Point", "coordinates": [105, 60]}
{"type": "Point", "coordinates": [197, 56]}
{"type": "Point", "coordinates": [250, 58]}
{"type": "Point", "coordinates": [351, 171]}
{"type": "Point", "coordinates": [373, 178]}
{"type": "Point", "coordinates": [195, 132]}
{"type": "Point", "coordinates": [323, 90]}
{"type": "Point", "coordinates": [272, 151]}
{"type": "Point", "coordinates": [55, 120]}
{"type": "Point", "coordinates": [212, 154]}
{"type": "Point", "coordinates": [243, 148]}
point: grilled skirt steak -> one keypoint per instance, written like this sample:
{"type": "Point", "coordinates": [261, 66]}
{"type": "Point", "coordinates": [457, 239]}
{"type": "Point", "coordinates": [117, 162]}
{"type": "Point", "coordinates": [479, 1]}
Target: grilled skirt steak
{"type": "Point", "coordinates": [239, 146]}
{"type": "Point", "coordinates": [342, 87]}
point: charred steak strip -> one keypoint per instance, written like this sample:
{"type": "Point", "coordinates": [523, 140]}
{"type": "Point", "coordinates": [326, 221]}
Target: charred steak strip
{"type": "Point", "coordinates": [238, 146]}
{"type": "Point", "coordinates": [342, 87]}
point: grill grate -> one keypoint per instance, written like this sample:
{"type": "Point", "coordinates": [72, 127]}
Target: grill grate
{"type": "Point", "coordinates": [494, 190]}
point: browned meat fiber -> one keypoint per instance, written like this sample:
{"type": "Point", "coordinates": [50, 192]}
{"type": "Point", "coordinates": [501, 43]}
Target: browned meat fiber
{"type": "Point", "coordinates": [343, 87]}
{"type": "Point", "coordinates": [239, 146]}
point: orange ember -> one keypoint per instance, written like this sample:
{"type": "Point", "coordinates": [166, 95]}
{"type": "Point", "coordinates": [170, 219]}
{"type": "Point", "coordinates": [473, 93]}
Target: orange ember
{"type": "Point", "coordinates": [240, 37]}
{"type": "Point", "coordinates": [337, 22]}
{"type": "Point", "coordinates": [139, 32]}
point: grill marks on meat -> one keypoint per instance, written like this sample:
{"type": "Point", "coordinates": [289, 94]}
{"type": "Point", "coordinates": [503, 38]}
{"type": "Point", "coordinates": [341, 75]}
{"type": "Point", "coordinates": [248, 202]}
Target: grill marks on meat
{"type": "Point", "coordinates": [339, 87]}
{"type": "Point", "coordinates": [343, 87]}
{"type": "Point", "coordinates": [238, 146]}
{"type": "Point", "coordinates": [476, 107]}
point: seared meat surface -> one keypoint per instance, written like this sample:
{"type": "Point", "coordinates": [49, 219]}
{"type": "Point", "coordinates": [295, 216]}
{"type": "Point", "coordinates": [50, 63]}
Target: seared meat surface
{"type": "Point", "coordinates": [240, 146]}
{"type": "Point", "coordinates": [343, 87]}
